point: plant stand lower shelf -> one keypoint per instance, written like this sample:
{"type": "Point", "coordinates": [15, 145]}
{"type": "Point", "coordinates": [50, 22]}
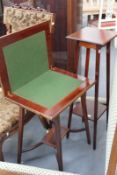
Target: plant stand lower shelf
{"type": "Point", "coordinates": [90, 109]}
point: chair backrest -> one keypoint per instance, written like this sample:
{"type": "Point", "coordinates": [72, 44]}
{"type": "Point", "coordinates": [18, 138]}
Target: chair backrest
{"type": "Point", "coordinates": [107, 15]}
{"type": "Point", "coordinates": [17, 18]}
{"type": "Point", "coordinates": [32, 45]}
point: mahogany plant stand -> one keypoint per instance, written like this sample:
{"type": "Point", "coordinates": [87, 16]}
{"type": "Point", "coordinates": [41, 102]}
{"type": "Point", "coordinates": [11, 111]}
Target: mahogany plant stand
{"type": "Point", "coordinates": [93, 38]}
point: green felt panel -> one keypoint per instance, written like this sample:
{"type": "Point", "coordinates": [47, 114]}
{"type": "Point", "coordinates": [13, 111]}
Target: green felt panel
{"type": "Point", "coordinates": [26, 59]}
{"type": "Point", "coordinates": [49, 88]}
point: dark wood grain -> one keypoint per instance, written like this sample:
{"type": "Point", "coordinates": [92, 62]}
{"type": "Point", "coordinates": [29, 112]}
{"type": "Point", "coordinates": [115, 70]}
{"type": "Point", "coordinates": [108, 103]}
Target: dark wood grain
{"type": "Point", "coordinates": [93, 35]}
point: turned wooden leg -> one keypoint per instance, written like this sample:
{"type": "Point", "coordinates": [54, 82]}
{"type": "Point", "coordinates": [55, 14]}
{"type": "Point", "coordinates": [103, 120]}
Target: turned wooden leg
{"type": "Point", "coordinates": [70, 119]}
{"type": "Point", "coordinates": [97, 68]}
{"type": "Point", "coordinates": [56, 122]}
{"type": "Point", "coordinates": [85, 118]}
{"type": "Point", "coordinates": [107, 77]}
{"type": "Point", "coordinates": [87, 62]}
{"type": "Point", "coordinates": [76, 58]}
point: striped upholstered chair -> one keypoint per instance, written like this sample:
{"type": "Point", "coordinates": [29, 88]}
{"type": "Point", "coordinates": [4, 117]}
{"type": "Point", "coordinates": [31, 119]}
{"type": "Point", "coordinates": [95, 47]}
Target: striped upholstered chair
{"type": "Point", "coordinates": [9, 120]}
{"type": "Point", "coordinates": [9, 116]}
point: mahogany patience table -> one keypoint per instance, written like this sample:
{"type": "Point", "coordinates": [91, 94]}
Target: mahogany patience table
{"type": "Point", "coordinates": [93, 38]}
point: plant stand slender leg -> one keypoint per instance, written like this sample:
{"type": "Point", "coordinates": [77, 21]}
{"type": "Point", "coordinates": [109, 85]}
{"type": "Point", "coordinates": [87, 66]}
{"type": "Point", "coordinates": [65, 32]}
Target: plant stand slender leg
{"type": "Point", "coordinates": [70, 119]}
{"type": "Point", "coordinates": [96, 95]}
{"type": "Point", "coordinates": [107, 77]}
{"type": "Point", "coordinates": [85, 118]}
